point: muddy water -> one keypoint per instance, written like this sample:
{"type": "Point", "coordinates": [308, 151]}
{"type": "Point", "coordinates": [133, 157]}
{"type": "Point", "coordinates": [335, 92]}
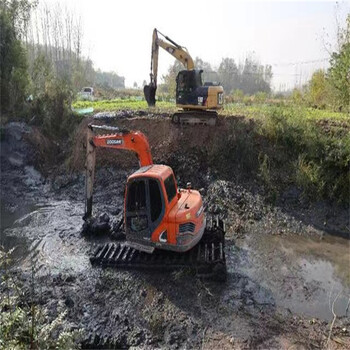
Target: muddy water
{"type": "Point", "coordinates": [300, 274]}
{"type": "Point", "coordinates": [46, 235]}
{"type": "Point", "coordinates": [306, 276]}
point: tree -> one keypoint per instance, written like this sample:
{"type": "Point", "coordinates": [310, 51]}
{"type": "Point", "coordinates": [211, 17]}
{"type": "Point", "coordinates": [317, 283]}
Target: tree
{"type": "Point", "coordinates": [339, 72]}
{"type": "Point", "coordinates": [200, 64]}
{"type": "Point", "coordinates": [109, 79]}
{"type": "Point", "coordinates": [13, 59]}
{"type": "Point", "coordinates": [228, 73]}
{"type": "Point", "coordinates": [317, 89]}
{"type": "Point", "coordinates": [169, 80]}
{"type": "Point", "coordinates": [255, 77]}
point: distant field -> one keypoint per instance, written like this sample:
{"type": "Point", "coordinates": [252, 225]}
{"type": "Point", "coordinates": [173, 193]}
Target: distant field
{"type": "Point", "coordinates": [258, 111]}
{"type": "Point", "coordinates": [118, 104]}
{"type": "Point", "coordinates": [263, 110]}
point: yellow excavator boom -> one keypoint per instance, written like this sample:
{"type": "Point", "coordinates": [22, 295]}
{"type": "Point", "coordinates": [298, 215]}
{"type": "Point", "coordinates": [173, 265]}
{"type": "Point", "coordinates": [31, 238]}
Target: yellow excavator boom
{"type": "Point", "coordinates": [179, 52]}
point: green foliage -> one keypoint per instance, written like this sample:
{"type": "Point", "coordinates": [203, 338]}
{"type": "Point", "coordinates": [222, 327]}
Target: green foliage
{"type": "Point", "coordinates": [339, 71]}
{"type": "Point", "coordinates": [317, 89]}
{"type": "Point", "coordinates": [13, 63]}
{"type": "Point", "coordinates": [250, 77]}
{"type": "Point", "coordinates": [109, 79]}
{"type": "Point", "coordinates": [320, 161]}
{"type": "Point", "coordinates": [238, 95]}
{"type": "Point", "coordinates": [339, 76]}
{"type": "Point", "coordinates": [122, 103]}
{"type": "Point", "coordinates": [297, 97]}
{"type": "Point", "coordinates": [255, 77]}
{"type": "Point", "coordinates": [260, 97]}
{"type": "Point", "coordinates": [169, 80]}
{"type": "Point", "coordinates": [247, 100]}
{"type": "Point", "coordinates": [52, 99]}
{"type": "Point", "coordinates": [25, 325]}
{"type": "Point", "coordinates": [228, 73]}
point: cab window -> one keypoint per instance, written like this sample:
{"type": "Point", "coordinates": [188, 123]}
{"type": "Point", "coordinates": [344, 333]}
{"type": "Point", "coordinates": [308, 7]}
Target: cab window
{"type": "Point", "coordinates": [155, 200]}
{"type": "Point", "coordinates": [170, 187]}
{"type": "Point", "coordinates": [136, 196]}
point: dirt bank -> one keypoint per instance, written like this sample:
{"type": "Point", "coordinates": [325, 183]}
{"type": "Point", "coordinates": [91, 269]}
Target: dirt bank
{"type": "Point", "coordinates": [233, 151]}
{"type": "Point", "coordinates": [283, 270]}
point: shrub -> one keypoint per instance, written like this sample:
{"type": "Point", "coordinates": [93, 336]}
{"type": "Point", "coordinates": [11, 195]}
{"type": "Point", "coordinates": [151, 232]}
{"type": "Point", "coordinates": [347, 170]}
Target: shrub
{"type": "Point", "coordinates": [317, 90]}
{"type": "Point", "coordinates": [320, 162]}
{"type": "Point", "coordinates": [260, 97]}
{"type": "Point", "coordinates": [25, 325]}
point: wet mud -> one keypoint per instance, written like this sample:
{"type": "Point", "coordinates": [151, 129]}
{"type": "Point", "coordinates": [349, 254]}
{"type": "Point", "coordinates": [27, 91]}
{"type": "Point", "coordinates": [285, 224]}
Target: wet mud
{"type": "Point", "coordinates": [284, 273]}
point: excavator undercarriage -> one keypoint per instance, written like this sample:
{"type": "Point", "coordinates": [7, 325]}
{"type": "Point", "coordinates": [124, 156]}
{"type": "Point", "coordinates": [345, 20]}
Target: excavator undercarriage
{"type": "Point", "coordinates": [206, 259]}
{"type": "Point", "coordinates": [193, 117]}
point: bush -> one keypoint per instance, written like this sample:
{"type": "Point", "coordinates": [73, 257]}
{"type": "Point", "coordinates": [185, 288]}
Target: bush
{"type": "Point", "coordinates": [298, 97]}
{"type": "Point", "coordinates": [25, 325]}
{"type": "Point", "coordinates": [52, 110]}
{"type": "Point", "coordinates": [319, 162]}
{"type": "Point", "coordinates": [260, 97]}
{"type": "Point", "coordinates": [317, 90]}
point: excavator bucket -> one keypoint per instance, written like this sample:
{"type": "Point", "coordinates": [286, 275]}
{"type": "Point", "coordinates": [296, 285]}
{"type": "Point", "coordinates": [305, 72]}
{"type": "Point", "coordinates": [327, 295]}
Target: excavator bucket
{"type": "Point", "coordinates": [150, 95]}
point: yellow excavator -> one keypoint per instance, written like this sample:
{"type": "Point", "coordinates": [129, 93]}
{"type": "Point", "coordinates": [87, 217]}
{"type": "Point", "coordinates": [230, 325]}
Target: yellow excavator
{"type": "Point", "coordinates": [198, 102]}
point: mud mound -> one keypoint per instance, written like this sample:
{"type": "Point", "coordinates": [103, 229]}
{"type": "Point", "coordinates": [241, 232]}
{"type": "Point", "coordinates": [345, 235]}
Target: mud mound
{"type": "Point", "coordinates": [167, 139]}
{"type": "Point", "coordinates": [246, 212]}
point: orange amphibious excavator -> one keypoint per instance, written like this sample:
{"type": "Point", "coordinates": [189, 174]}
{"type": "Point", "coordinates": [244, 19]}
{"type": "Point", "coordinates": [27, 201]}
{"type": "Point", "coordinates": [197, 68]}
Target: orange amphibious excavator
{"type": "Point", "coordinates": [156, 213]}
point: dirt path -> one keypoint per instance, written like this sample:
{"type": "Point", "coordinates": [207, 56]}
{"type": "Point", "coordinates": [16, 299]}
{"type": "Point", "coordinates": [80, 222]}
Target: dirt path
{"type": "Point", "coordinates": [282, 271]}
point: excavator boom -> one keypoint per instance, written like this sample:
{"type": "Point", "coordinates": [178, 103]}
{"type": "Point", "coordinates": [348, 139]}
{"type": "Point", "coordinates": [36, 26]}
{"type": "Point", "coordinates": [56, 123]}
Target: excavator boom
{"type": "Point", "coordinates": [179, 52]}
{"type": "Point", "coordinates": [121, 139]}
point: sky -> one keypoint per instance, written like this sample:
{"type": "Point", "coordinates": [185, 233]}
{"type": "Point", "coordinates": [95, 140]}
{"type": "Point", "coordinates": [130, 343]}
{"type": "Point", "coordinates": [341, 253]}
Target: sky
{"type": "Point", "coordinates": [118, 34]}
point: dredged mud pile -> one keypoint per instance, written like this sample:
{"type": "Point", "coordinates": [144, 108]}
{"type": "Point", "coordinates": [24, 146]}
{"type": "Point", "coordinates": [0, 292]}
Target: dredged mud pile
{"type": "Point", "coordinates": [282, 268]}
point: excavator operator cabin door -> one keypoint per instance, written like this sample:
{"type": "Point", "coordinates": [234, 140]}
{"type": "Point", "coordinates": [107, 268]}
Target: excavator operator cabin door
{"type": "Point", "coordinates": [144, 207]}
{"type": "Point", "coordinates": [189, 89]}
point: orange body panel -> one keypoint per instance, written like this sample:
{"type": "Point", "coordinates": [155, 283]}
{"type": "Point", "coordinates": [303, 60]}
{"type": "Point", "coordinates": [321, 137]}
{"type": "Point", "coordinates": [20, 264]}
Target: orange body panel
{"type": "Point", "coordinates": [183, 208]}
{"type": "Point", "coordinates": [134, 141]}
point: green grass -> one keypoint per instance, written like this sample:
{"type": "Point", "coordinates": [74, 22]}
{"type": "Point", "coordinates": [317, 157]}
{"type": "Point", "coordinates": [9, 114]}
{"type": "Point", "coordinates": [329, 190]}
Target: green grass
{"type": "Point", "coordinates": [259, 111]}
{"type": "Point", "coordinates": [317, 153]}
{"type": "Point", "coordinates": [119, 104]}
{"type": "Point", "coordinates": [256, 111]}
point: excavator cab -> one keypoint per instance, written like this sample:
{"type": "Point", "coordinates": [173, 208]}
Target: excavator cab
{"type": "Point", "coordinates": [158, 215]}
{"type": "Point", "coordinates": [190, 89]}
{"type": "Point", "coordinates": [144, 206]}
{"type": "Point", "coordinates": [188, 80]}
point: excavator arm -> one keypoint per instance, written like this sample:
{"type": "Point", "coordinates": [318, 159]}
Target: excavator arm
{"type": "Point", "coordinates": [179, 52]}
{"type": "Point", "coordinates": [120, 139]}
